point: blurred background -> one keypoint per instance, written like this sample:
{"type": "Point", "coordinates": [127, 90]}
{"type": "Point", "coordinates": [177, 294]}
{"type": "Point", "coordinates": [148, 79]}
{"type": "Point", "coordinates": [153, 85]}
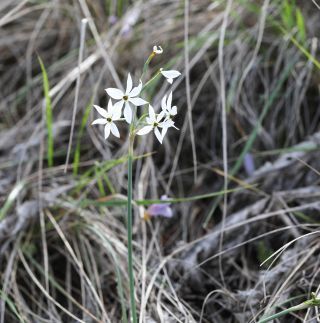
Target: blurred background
{"type": "Point", "coordinates": [243, 168]}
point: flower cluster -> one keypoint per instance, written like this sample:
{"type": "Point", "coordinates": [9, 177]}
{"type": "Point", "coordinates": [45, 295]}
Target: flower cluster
{"type": "Point", "coordinates": [126, 103]}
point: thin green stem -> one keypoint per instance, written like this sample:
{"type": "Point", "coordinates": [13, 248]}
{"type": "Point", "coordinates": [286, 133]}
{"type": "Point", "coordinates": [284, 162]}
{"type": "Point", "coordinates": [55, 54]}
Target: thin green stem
{"type": "Point", "coordinates": [146, 64]}
{"type": "Point", "coordinates": [151, 80]}
{"type": "Point", "coordinates": [129, 231]}
{"type": "Point", "coordinates": [309, 303]}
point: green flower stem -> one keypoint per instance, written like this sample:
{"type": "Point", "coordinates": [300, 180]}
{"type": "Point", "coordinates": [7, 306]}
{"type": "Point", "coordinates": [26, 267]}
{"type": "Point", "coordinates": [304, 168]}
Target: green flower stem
{"type": "Point", "coordinates": [129, 231]}
{"type": "Point", "coordinates": [146, 64]}
{"type": "Point", "coordinates": [150, 81]}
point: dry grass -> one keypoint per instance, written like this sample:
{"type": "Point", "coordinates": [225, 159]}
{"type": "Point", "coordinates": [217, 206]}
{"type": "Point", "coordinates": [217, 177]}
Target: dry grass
{"type": "Point", "coordinates": [63, 256]}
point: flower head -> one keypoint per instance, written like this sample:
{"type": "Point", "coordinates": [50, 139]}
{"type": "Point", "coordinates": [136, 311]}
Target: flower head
{"type": "Point", "coordinates": [127, 97]}
{"type": "Point", "coordinates": [161, 209]}
{"type": "Point", "coordinates": [154, 122]}
{"type": "Point", "coordinates": [170, 75]}
{"type": "Point", "coordinates": [109, 116]}
{"type": "Point", "coordinates": [166, 106]}
{"type": "Point", "coordinates": [157, 50]}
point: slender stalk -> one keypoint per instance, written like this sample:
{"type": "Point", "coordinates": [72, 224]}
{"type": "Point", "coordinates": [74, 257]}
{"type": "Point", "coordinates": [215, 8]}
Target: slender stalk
{"type": "Point", "coordinates": [309, 303]}
{"type": "Point", "coordinates": [150, 81]}
{"type": "Point", "coordinates": [146, 64]}
{"type": "Point", "coordinates": [129, 231]}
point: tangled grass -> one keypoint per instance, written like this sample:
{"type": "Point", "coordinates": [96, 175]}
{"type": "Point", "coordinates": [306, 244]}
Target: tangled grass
{"type": "Point", "coordinates": [249, 115]}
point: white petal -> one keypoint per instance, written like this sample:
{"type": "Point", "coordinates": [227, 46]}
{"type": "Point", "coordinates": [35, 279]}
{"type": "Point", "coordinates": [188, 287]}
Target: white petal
{"type": "Point", "coordinates": [115, 93]}
{"type": "Point", "coordinates": [114, 130]}
{"type": "Point", "coordinates": [129, 84]}
{"type": "Point", "coordinates": [99, 121]}
{"type": "Point", "coordinates": [171, 74]}
{"type": "Point", "coordinates": [152, 115]}
{"type": "Point", "coordinates": [101, 111]}
{"type": "Point", "coordinates": [169, 102]}
{"type": "Point", "coordinates": [158, 134]}
{"type": "Point", "coordinates": [117, 110]}
{"type": "Point", "coordinates": [137, 101]}
{"type": "Point", "coordinates": [144, 130]}
{"type": "Point", "coordinates": [107, 131]}
{"type": "Point", "coordinates": [164, 103]}
{"type": "Point", "coordinates": [127, 113]}
{"type": "Point", "coordinates": [166, 124]}
{"type": "Point", "coordinates": [136, 90]}
{"type": "Point", "coordinates": [110, 107]}
{"type": "Point", "coordinates": [160, 116]}
{"type": "Point", "coordinates": [173, 110]}
{"type": "Point", "coordinates": [164, 131]}
{"type": "Point", "coordinates": [170, 81]}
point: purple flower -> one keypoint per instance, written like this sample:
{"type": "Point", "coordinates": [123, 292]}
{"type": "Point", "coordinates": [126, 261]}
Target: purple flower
{"type": "Point", "coordinates": [161, 209]}
{"type": "Point", "coordinates": [112, 19]}
{"type": "Point", "coordinates": [248, 164]}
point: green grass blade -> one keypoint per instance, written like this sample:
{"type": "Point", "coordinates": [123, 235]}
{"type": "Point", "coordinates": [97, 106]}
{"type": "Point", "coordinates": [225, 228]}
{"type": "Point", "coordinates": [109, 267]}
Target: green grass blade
{"type": "Point", "coordinates": [11, 306]}
{"type": "Point", "coordinates": [302, 306]}
{"type": "Point", "coordinates": [288, 15]}
{"type": "Point", "coordinates": [117, 202]}
{"type": "Point", "coordinates": [301, 26]}
{"type": "Point", "coordinates": [100, 183]}
{"type": "Point", "coordinates": [48, 114]}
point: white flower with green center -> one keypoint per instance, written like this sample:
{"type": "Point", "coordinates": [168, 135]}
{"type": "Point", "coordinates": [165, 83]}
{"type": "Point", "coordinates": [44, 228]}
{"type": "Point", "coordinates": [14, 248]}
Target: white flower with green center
{"type": "Point", "coordinates": [170, 75]}
{"type": "Point", "coordinates": [156, 122]}
{"type": "Point", "coordinates": [109, 116]}
{"type": "Point", "coordinates": [166, 106]}
{"type": "Point", "coordinates": [127, 97]}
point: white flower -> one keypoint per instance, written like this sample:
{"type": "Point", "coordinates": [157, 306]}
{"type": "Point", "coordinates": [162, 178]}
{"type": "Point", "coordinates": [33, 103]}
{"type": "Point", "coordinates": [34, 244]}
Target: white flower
{"type": "Point", "coordinates": [109, 116]}
{"type": "Point", "coordinates": [155, 122]}
{"type": "Point", "coordinates": [130, 95]}
{"type": "Point", "coordinates": [166, 106]}
{"type": "Point", "coordinates": [157, 50]}
{"type": "Point", "coordinates": [168, 123]}
{"type": "Point", "coordinates": [170, 75]}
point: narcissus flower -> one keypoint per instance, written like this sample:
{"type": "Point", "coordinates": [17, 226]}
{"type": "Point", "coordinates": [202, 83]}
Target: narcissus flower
{"type": "Point", "coordinates": [170, 75]}
{"type": "Point", "coordinates": [109, 116]}
{"type": "Point", "coordinates": [166, 106]}
{"type": "Point", "coordinates": [155, 123]}
{"type": "Point", "coordinates": [129, 96]}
